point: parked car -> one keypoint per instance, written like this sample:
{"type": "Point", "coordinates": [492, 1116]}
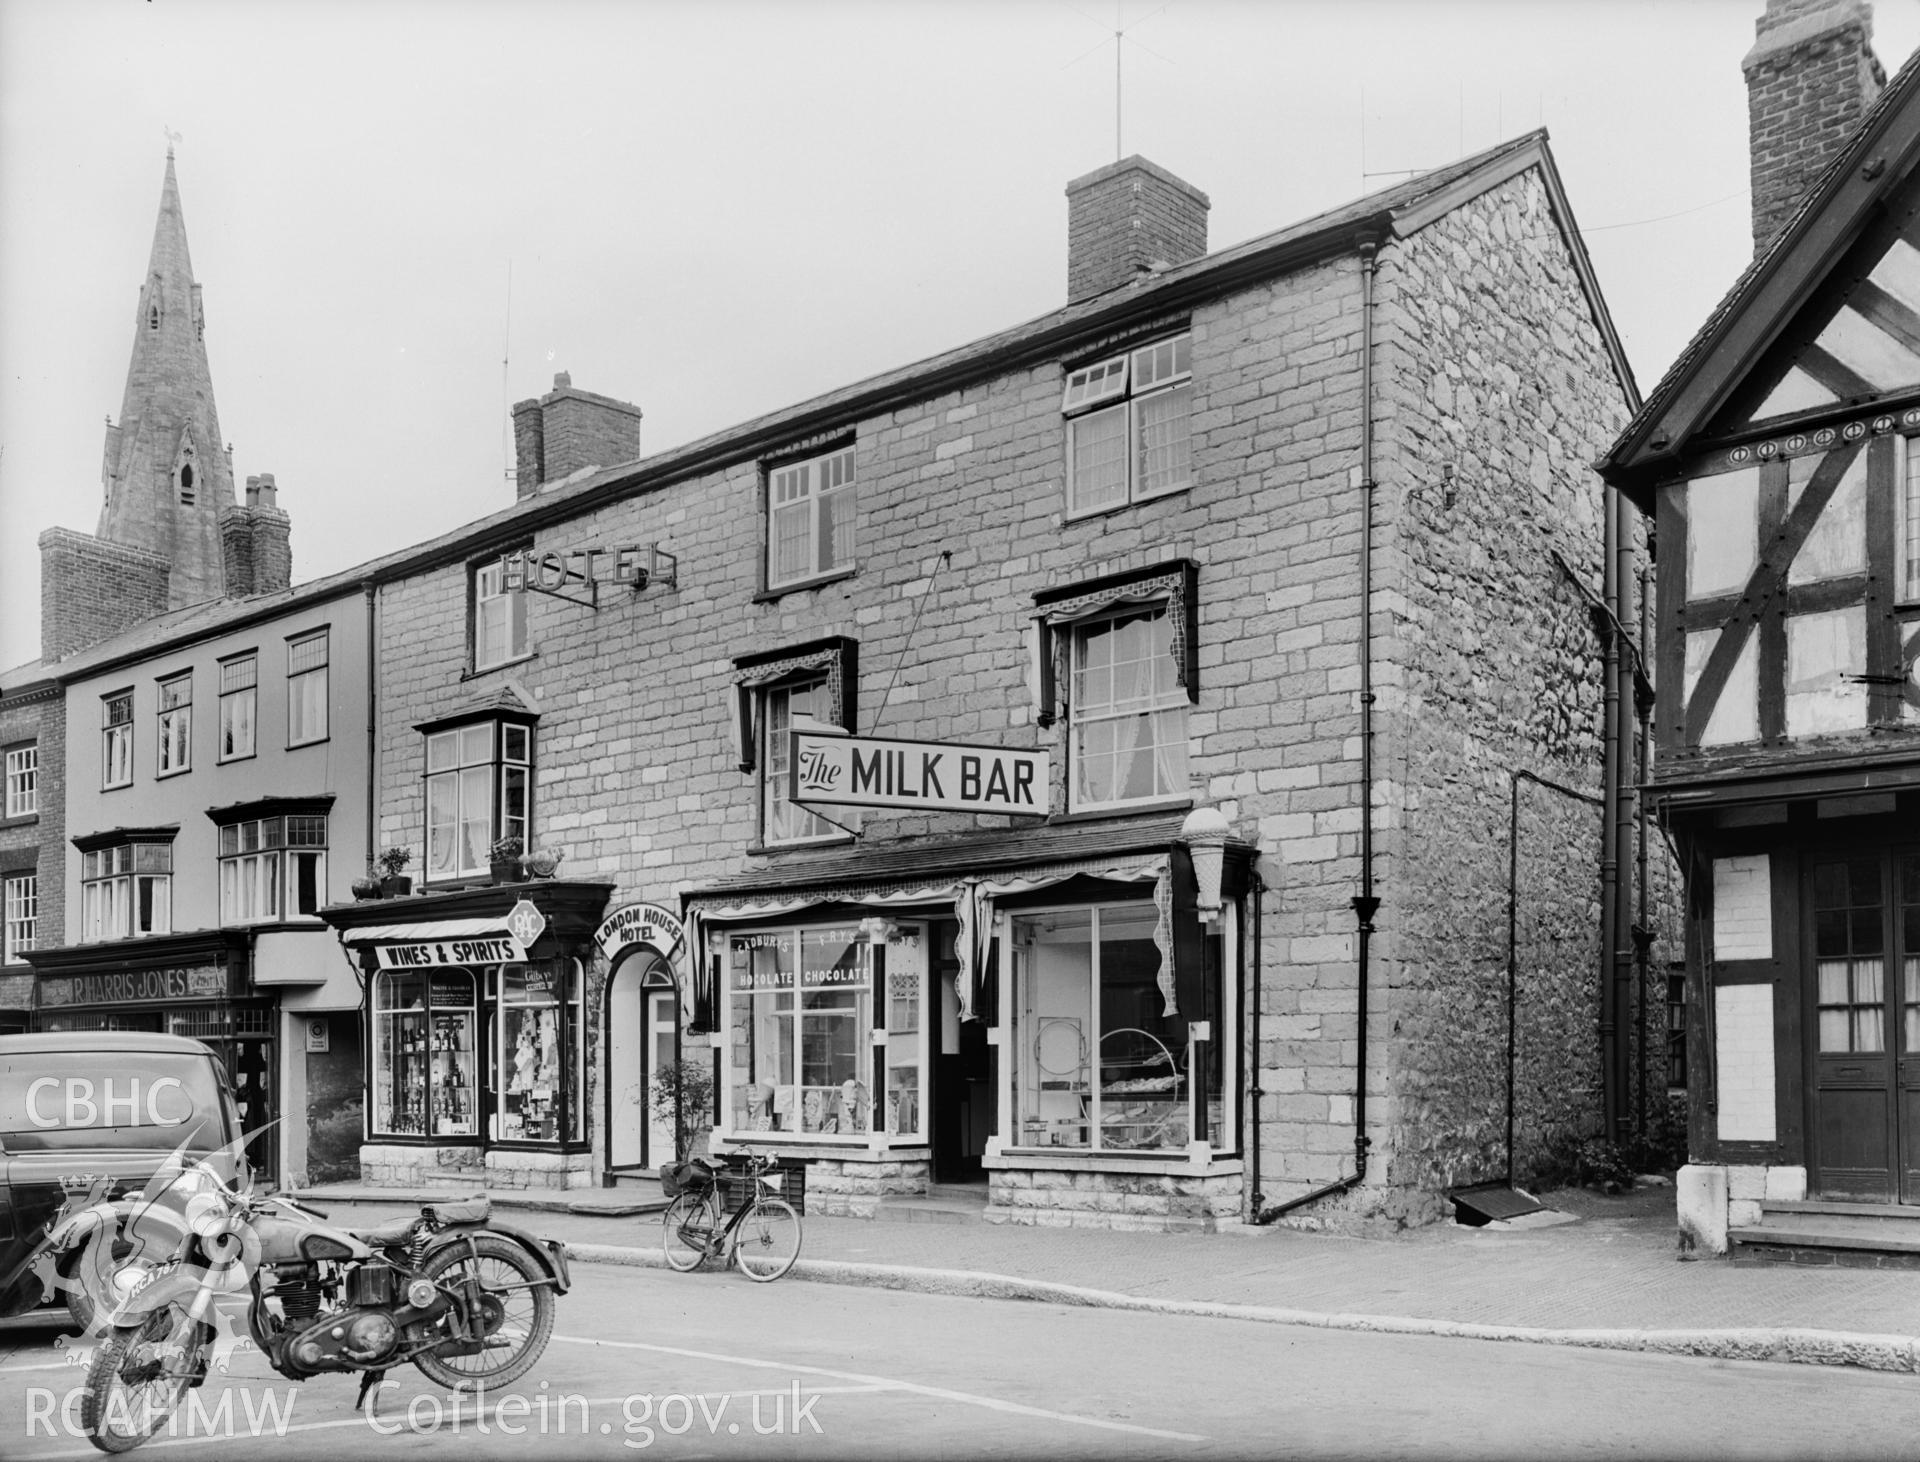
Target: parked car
{"type": "Point", "coordinates": [90, 1118]}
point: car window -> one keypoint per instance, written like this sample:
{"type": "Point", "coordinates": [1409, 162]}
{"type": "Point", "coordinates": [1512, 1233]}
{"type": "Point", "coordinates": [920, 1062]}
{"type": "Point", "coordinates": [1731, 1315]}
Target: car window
{"type": "Point", "coordinates": [60, 1100]}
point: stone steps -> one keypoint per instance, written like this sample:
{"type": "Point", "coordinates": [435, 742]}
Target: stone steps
{"type": "Point", "coordinates": [1827, 1234]}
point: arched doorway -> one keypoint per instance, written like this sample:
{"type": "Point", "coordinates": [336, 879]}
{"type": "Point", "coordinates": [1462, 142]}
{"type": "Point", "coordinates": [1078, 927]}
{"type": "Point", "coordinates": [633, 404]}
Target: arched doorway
{"type": "Point", "coordinates": [642, 1035]}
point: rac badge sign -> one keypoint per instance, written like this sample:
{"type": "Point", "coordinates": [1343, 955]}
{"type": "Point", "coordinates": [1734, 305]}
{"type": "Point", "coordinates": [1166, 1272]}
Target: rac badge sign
{"type": "Point", "coordinates": [871, 771]}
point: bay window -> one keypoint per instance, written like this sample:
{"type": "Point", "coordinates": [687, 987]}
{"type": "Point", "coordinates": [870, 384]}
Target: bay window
{"type": "Point", "coordinates": [479, 780]}
{"type": "Point", "coordinates": [126, 887]}
{"type": "Point", "coordinates": [273, 867]}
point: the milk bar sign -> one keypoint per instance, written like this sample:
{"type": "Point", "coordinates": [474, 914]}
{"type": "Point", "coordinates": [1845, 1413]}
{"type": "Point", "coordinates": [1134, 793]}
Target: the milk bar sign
{"type": "Point", "coordinates": [425, 953]}
{"type": "Point", "coordinates": [869, 771]}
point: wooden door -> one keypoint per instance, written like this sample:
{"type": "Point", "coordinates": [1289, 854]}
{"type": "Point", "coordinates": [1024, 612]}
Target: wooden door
{"type": "Point", "coordinates": [1865, 934]}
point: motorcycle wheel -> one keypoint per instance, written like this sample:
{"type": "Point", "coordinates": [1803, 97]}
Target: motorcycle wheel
{"type": "Point", "coordinates": [139, 1376]}
{"type": "Point", "coordinates": [686, 1228]}
{"type": "Point", "coordinates": [521, 1317]}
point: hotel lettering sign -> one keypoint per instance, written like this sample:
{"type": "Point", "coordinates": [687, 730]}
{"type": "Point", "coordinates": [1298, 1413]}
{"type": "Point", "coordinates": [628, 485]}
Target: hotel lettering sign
{"type": "Point", "coordinates": [647, 924]}
{"type": "Point", "coordinates": [135, 987]}
{"type": "Point", "coordinates": [421, 954]}
{"type": "Point", "coordinates": [870, 771]}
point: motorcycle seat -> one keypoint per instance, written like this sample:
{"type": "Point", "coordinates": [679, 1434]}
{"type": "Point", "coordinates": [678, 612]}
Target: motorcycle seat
{"type": "Point", "coordinates": [393, 1231]}
{"type": "Point", "coordinates": [476, 1209]}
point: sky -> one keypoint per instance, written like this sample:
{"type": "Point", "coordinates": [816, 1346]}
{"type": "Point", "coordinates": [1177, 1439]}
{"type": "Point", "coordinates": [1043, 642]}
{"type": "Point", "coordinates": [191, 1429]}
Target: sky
{"type": "Point", "coordinates": [407, 214]}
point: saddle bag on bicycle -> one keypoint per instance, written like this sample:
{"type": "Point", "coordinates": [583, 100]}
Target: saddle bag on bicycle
{"type": "Point", "coordinates": [684, 1177]}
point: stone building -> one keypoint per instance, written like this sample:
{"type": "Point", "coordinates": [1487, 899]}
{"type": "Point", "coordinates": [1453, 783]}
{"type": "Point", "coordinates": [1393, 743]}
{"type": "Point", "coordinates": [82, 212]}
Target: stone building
{"type": "Point", "coordinates": [1776, 461]}
{"type": "Point", "coordinates": [1086, 765]}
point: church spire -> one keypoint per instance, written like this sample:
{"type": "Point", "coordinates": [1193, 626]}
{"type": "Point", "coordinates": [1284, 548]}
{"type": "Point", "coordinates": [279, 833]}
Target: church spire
{"type": "Point", "coordinates": [165, 469]}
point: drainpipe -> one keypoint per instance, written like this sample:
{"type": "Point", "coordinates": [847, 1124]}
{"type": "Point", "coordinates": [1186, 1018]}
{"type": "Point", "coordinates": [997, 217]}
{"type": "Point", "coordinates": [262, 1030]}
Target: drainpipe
{"type": "Point", "coordinates": [1642, 931]}
{"type": "Point", "coordinates": [1254, 1093]}
{"type": "Point", "coordinates": [1365, 904]}
{"type": "Point", "coordinates": [1609, 840]}
{"type": "Point", "coordinates": [1624, 740]}
{"type": "Point", "coordinates": [373, 718]}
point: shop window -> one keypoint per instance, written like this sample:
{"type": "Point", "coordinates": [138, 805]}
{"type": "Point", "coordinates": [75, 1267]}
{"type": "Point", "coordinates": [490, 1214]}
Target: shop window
{"type": "Point", "coordinates": [176, 725]}
{"type": "Point", "coordinates": [116, 740]}
{"type": "Point", "coordinates": [307, 689]}
{"type": "Point", "coordinates": [800, 1012]}
{"type": "Point", "coordinates": [426, 1065]}
{"type": "Point", "coordinates": [1129, 427]}
{"type": "Point", "coordinates": [23, 781]}
{"type": "Point", "coordinates": [479, 779]}
{"type": "Point", "coordinates": [499, 618]}
{"type": "Point", "coordinates": [126, 889]}
{"type": "Point", "coordinates": [239, 687]}
{"type": "Point", "coordinates": [273, 868]}
{"type": "Point", "coordinates": [1098, 1063]}
{"type": "Point", "coordinates": [810, 511]}
{"type": "Point", "coordinates": [21, 909]}
{"type": "Point", "coordinates": [1127, 712]}
{"type": "Point", "coordinates": [537, 1061]}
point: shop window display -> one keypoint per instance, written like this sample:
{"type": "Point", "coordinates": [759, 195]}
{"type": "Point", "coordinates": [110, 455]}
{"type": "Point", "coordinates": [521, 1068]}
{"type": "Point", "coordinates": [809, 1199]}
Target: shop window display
{"type": "Point", "coordinates": [801, 1014]}
{"type": "Point", "coordinates": [1098, 1062]}
{"type": "Point", "coordinates": [538, 1071]}
{"type": "Point", "coordinates": [425, 1054]}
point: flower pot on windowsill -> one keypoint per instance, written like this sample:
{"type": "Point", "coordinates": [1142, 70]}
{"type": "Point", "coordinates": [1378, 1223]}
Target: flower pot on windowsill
{"type": "Point", "coordinates": [541, 862]}
{"type": "Point", "coordinates": [396, 886]}
{"type": "Point", "coordinates": [507, 870]}
{"type": "Point", "coordinates": [366, 888]}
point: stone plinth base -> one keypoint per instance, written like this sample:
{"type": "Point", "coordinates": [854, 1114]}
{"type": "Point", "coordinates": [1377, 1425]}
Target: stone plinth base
{"type": "Point", "coordinates": [1113, 1200]}
{"type": "Point", "coordinates": [850, 1188]}
{"type": "Point", "coordinates": [393, 1165]}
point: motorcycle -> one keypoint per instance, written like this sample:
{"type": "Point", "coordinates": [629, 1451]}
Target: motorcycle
{"type": "Point", "coordinates": [467, 1301]}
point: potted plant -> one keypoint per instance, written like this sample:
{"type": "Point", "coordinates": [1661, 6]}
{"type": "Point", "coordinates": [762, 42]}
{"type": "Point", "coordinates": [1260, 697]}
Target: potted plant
{"type": "Point", "coordinates": [504, 856]}
{"type": "Point", "coordinates": [394, 883]}
{"type": "Point", "coordinates": [681, 1097]}
{"type": "Point", "coordinates": [542, 861]}
{"type": "Point", "coordinates": [367, 886]}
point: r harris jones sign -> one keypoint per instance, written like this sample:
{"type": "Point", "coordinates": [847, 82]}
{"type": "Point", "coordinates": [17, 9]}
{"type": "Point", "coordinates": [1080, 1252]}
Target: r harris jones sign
{"type": "Point", "coordinates": [870, 771]}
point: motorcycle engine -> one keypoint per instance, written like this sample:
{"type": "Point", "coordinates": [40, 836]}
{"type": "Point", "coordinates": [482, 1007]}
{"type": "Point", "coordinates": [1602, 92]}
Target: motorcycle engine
{"type": "Point", "coordinates": [344, 1340]}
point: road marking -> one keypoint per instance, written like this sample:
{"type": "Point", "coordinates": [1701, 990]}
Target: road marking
{"type": "Point", "coordinates": [59, 1365]}
{"type": "Point", "coordinates": [990, 1403]}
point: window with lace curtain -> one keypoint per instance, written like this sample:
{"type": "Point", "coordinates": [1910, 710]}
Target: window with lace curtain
{"type": "Point", "coordinates": [1127, 710]}
{"type": "Point", "coordinates": [810, 507]}
{"type": "Point", "coordinates": [1128, 426]}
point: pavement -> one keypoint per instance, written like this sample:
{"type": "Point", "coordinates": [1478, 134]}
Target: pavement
{"type": "Point", "coordinates": [1597, 1270]}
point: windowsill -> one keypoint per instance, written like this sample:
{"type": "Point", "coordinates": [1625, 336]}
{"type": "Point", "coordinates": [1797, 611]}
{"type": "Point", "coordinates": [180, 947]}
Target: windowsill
{"type": "Point", "coordinates": [169, 776]}
{"type": "Point", "coordinates": [1085, 1160]}
{"type": "Point", "coordinates": [227, 761]}
{"type": "Point", "coordinates": [1127, 809]}
{"type": "Point", "coordinates": [1088, 515]}
{"type": "Point", "coordinates": [302, 745]}
{"type": "Point", "coordinates": [25, 819]}
{"type": "Point", "coordinates": [819, 581]}
{"type": "Point", "coordinates": [115, 786]}
{"type": "Point", "coordinates": [479, 670]}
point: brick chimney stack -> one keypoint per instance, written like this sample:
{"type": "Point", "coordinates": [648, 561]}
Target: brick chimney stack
{"type": "Point", "coordinates": [1123, 219]}
{"type": "Point", "coordinates": [568, 431]}
{"type": "Point", "coordinates": [1811, 76]}
{"type": "Point", "coordinates": [255, 541]}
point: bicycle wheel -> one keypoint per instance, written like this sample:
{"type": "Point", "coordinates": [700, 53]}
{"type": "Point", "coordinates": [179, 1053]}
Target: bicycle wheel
{"type": "Point", "coordinates": [767, 1241]}
{"type": "Point", "coordinates": [687, 1227]}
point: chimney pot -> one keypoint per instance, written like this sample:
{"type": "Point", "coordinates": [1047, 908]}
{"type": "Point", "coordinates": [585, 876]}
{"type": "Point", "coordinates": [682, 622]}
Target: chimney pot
{"type": "Point", "coordinates": [562, 380]}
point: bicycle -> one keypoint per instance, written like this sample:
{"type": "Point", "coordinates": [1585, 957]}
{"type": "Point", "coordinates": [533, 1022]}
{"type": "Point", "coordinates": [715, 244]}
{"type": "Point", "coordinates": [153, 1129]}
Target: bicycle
{"type": "Point", "coordinates": [762, 1237]}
